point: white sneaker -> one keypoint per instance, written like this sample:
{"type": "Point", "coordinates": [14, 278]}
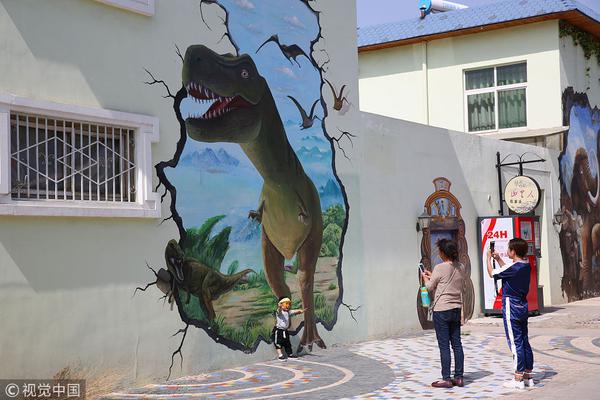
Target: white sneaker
{"type": "Point", "coordinates": [513, 384]}
{"type": "Point", "coordinates": [529, 382]}
{"type": "Point", "coordinates": [528, 378]}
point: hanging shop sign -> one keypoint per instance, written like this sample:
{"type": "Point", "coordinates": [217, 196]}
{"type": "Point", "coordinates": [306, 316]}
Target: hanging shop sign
{"type": "Point", "coordinates": [522, 194]}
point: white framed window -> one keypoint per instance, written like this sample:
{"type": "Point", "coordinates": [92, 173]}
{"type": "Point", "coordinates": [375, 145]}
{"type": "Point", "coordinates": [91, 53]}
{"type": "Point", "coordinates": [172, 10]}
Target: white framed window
{"type": "Point", "coordinates": [496, 98]}
{"type": "Point", "coordinates": [64, 160]}
{"type": "Point", "coordinates": [144, 7]}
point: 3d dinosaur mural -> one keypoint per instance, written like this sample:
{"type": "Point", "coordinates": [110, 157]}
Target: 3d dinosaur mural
{"type": "Point", "coordinates": [307, 119]}
{"type": "Point", "coordinates": [291, 52]}
{"type": "Point", "coordinates": [580, 191]}
{"type": "Point", "coordinates": [338, 99]}
{"type": "Point", "coordinates": [195, 278]}
{"type": "Point", "coordinates": [251, 188]}
{"type": "Point", "coordinates": [244, 112]}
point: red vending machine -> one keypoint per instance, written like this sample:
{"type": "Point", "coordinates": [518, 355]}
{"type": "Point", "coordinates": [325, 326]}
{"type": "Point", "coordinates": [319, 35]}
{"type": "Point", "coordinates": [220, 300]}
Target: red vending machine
{"type": "Point", "coordinates": [500, 230]}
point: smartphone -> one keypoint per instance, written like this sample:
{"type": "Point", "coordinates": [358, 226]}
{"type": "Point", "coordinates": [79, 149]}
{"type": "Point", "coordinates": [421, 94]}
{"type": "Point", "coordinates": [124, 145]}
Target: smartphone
{"type": "Point", "coordinates": [492, 246]}
{"type": "Point", "coordinates": [421, 268]}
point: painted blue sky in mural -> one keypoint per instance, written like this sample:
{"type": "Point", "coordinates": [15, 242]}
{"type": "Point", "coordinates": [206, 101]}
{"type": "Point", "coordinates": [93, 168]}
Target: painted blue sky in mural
{"type": "Point", "coordinates": [583, 133]}
{"type": "Point", "coordinates": [218, 179]}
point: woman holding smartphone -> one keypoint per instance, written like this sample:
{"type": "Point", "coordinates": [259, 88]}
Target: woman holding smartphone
{"type": "Point", "coordinates": [447, 281]}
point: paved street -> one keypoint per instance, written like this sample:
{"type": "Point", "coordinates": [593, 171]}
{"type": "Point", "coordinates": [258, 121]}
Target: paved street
{"type": "Point", "coordinates": [566, 343]}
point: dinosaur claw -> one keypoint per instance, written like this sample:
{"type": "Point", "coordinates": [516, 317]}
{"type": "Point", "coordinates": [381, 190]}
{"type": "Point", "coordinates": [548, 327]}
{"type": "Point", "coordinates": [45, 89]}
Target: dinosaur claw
{"type": "Point", "coordinates": [321, 344]}
{"type": "Point", "coordinates": [303, 219]}
{"type": "Point", "coordinates": [255, 215]}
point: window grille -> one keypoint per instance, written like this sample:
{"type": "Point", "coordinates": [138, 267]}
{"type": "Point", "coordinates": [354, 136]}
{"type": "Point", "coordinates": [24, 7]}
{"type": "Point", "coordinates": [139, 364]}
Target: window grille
{"type": "Point", "coordinates": [71, 160]}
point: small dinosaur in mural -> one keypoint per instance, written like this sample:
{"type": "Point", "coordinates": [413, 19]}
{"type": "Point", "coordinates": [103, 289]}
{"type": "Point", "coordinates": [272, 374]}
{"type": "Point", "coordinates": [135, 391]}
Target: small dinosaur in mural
{"type": "Point", "coordinates": [244, 112]}
{"type": "Point", "coordinates": [291, 52]}
{"type": "Point", "coordinates": [338, 100]}
{"type": "Point", "coordinates": [196, 278]}
{"type": "Point", "coordinates": [307, 120]}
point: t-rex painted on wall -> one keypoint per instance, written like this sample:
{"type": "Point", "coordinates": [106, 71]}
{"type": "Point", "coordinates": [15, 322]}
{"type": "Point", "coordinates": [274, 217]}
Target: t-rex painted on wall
{"type": "Point", "coordinates": [266, 184]}
{"type": "Point", "coordinates": [580, 177]}
{"type": "Point", "coordinates": [245, 113]}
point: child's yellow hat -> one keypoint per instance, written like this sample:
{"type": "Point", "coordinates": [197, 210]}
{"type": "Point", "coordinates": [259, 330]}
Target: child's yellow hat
{"type": "Point", "coordinates": [284, 300]}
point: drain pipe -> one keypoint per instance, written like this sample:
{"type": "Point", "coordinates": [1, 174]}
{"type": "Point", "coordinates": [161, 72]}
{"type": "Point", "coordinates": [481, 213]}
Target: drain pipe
{"type": "Point", "coordinates": [425, 68]}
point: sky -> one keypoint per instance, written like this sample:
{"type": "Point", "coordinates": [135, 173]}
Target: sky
{"type": "Point", "coordinates": [373, 12]}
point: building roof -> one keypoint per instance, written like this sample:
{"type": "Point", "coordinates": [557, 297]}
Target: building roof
{"type": "Point", "coordinates": [476, 19]}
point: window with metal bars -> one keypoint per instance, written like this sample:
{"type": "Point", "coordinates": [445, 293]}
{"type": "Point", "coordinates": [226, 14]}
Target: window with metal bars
{"type": "Point", "coordinates": [71, 160]}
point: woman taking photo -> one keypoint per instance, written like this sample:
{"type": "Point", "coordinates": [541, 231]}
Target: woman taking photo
{"type": "Point", "coordinates": [447, 282]}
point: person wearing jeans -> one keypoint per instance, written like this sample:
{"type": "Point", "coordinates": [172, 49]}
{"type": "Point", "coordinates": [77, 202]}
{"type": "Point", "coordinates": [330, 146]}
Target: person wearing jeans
{"type": "Point", "coordinates": [447, 281]}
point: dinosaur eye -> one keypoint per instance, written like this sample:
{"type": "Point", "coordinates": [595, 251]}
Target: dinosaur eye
{"type": "Point", "coordinates": [245, 74]}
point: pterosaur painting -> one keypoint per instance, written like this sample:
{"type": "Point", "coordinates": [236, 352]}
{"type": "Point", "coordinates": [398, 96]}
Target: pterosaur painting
{"type": "Point", "coordinates": [291, 52]}
{"type": "Point", "coordinates": [307, 119]}
{"type": "Point", "coordinates": [339, 100]}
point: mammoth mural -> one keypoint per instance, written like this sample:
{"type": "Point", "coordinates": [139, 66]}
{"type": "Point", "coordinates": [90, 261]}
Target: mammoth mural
{"type": "Point", "coordinates": [254, 194]}
{"type": "Point", "coordinates": [580, 192]}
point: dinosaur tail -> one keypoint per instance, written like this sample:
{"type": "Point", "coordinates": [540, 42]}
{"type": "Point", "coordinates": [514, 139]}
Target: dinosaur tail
{"type": "Point", "coordinates": [232, 280]}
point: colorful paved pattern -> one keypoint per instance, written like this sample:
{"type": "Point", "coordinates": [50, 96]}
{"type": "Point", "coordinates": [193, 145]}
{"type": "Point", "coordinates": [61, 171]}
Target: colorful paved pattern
{"type": "Point", "coordinates": [411, 360]}
{"type": "Point", "coordinates": [327, 375]}
{"type": "Point", "coordinates": [401, 368]}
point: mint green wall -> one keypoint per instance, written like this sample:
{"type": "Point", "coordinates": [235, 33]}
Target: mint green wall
{"type": "Point", "coordinates": [67, 283]}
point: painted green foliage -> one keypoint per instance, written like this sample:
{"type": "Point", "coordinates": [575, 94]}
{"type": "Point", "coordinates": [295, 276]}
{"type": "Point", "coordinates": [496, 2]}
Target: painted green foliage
{"type": "Point", "coordinates": [333, 221]}
{"type": "Point", "coordinates": [208, 250]}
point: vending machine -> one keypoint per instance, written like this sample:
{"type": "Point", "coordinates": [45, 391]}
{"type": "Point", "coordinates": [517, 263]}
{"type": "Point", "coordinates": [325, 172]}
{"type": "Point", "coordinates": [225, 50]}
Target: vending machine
{"type": "Point", "coordinates": [500, 230]}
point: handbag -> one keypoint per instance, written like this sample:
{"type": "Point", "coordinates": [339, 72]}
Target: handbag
{"type": "Point", "coordinates": [430, 310]}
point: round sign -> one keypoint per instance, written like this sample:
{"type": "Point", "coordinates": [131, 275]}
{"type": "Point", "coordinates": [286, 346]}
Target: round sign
{"type": "Point", "coordinates": [522, 194]}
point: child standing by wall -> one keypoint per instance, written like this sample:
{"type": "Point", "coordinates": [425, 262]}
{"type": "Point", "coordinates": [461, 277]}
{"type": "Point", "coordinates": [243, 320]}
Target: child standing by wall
{"type": "Point", "coordinates": [281, 336]}
{"type": "Point", "coordinates": [515, 286]}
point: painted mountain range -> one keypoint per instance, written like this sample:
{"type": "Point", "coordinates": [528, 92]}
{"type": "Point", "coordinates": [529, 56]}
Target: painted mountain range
{"type": "Point", "coordinates": [211, 161]}
{"type": "Point", "coordinates": [313, 138]}
{"type": "Point", "coordinates": [330, 194]}
{"type": "Point", "coordinates": [312, 154]}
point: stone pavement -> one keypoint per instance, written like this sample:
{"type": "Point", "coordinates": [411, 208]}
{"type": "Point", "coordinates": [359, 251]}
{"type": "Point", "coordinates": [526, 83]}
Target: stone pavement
{"type": "Point", "coordinates": [566, 344]}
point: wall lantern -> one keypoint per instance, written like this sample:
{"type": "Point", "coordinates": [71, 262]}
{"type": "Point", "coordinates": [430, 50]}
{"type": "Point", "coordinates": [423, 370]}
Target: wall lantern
{"type": "Point", "coordinates": [557, 219]}
{"type": "Point", "coordinates": [423, 221]}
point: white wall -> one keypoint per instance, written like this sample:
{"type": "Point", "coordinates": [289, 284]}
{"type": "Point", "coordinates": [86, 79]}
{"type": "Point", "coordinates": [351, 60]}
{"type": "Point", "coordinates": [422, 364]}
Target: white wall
{"type": "Point", "coordinates": [392, 80]}
{"type": "Point", "coordinates": [399, 160]}
{"type": "Point", "coordinates": [578, 72]}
